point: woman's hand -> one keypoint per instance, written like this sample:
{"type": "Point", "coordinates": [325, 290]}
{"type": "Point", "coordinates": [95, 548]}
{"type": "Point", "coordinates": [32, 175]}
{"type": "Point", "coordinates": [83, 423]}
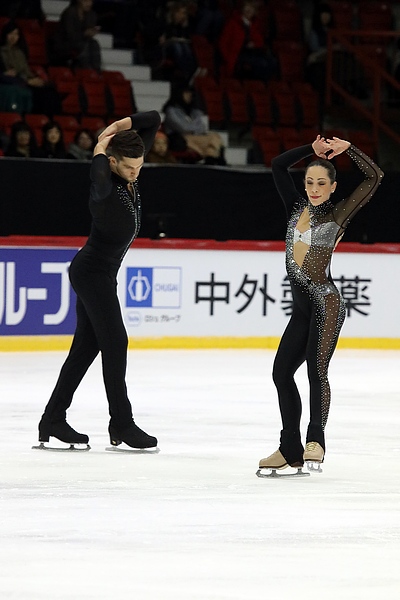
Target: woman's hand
{"type": "Point", "coordinates": [320, 146]}
{"type": "Point", "coordinates": [337, 146]}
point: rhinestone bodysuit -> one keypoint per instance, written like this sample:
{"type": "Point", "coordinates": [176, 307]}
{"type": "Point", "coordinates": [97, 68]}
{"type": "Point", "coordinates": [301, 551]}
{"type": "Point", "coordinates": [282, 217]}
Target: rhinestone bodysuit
{"type": "Point", "coordinates": [312, 235]}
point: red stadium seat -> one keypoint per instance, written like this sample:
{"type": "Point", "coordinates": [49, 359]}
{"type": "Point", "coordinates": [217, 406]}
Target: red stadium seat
{"type": "Point", "coordinates": [121, 99]}
{"type": "Point", "coordinates": [95, 98]}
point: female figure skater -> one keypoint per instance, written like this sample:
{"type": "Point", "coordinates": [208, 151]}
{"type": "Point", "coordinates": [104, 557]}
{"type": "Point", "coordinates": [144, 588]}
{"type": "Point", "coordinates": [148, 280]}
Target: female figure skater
{"type": "Point", "coordinates": [115, 207]}
{"type": "Point", "coordinates": [315, 227]}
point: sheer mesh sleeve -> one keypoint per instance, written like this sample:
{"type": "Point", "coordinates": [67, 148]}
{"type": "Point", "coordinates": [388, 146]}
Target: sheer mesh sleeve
{"type": "Point", "coordinates": [345, 210]}
{"type": "Point", "coordinates": [282, 178]}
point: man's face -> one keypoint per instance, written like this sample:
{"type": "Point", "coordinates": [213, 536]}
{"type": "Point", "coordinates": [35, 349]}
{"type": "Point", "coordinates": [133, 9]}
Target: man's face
{"type": "Point", "coordinates": [127, 168]}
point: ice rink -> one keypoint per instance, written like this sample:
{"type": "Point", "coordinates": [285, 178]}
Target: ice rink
{"type": "Point", "coordinates": [194, 522]}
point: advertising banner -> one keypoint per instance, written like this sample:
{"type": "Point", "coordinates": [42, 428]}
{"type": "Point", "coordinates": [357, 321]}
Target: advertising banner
{"type": "Point", "coordinates": [236, 293]}
{"type": "Point", "coordinates": [35, 293]}
{"type": "Point", "coordinates": [194, 293]}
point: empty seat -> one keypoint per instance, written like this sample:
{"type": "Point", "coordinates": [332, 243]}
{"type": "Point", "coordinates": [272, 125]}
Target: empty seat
{"type": "Point", "coordinates": [7, 120]}
{"type": "Point", "coordinates": [260, 108]}
{"type": "Point", "coordinates": [36, 121]}
{"type": "Point", "coordinates": [94, 98]}
{"type": "Point", "coordinates": [92, 123]}
{"type": "Point", "coordinates": [213, 104]}
{"type": "Point", "coordinates": [70, 99]}
{"type": "Point", "coordinates": [121, 101]}
{"type": "Point", "coordinates": [236, 104]}
{"type": "Point", "coordinates": [36, 47]}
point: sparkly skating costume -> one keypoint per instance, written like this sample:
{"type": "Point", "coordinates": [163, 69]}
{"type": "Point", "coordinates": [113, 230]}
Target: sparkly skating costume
{"type": "Point", "coordinates": [93, 272]}
{"type": "Point", "coordinates": [318, 308]}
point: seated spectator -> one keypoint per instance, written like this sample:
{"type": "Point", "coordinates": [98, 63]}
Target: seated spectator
{"type": "Point", "coordinates": [16, 71]}
{"type": "Point", "coordinates": [83, 145]}
{"type": "Point", "coordinates": [242, 46]}
{"type": "Point", "coordinates": [208, 19]}
{"type": "Point", "coordinates": [185, 127]}
{"type": "Point", "coordinates": [53, 143]}
{"type": "Point", "coordinates": [22, 143]}
{"type": "Point", "coordinates": [160, 152]}
{"type": "Point", "coordinates": [176, 42]}
{"type": "Point", "coordinates": [74, 44]}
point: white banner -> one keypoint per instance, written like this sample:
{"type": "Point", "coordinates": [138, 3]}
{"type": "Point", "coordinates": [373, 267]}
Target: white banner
{"type": "Point", "coordinates": [246, 294]}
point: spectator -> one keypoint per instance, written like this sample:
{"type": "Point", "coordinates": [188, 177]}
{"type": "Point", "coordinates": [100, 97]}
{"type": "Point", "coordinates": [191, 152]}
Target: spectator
{"type": "Point", "coordinates": [208, 19]}
{"type": "Point", "coordinates": [16, 71]}
{"type": "Point", "coordinates": [53, 143]}
{"type": "Point", "coordinates": [22, 142]}
{"type": "Point", "coordinates": [74, 43]}
{"type": "Point", "coordinates": [242, 46]}
{"type": "Point", "coordinates": [185, 126]}
{"type": "Point", "coordinates": [83, 145]}
{"type": "Point", "coordinates": [160, 152]}
{"type": "Point", "coordinates": [176, 42]}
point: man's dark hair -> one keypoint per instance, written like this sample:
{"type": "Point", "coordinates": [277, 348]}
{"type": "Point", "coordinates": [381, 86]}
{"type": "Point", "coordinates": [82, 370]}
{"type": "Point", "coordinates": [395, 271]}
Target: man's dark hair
{"type": "Point", "coordinates": [128, 144]}
{"type": "Point", "coordinates": [321, 162]}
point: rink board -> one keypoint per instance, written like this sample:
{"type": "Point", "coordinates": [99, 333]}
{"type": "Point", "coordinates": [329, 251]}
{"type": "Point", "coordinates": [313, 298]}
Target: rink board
{"type": "Point", "coordinates": [192, 294]}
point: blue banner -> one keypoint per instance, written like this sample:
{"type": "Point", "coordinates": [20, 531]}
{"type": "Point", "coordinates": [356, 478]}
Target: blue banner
{"type": "Point", "coordinates": [36, 297]}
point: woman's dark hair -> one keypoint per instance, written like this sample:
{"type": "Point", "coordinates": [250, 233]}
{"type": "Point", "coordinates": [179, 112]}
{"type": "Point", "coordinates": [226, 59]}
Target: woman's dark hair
{"type": "Point", "coordinates": [326, 164]}
{"type": "Point", "coordinates": [176, 98]}
{"type": "Point", "coordinates": [59, 149]}
{"type": "Point", "coordinates": [126, 144]}
{"type": "Point", "coordinates": [15, 129]}
{"type": "Point", "coordinates": [8, 28]}
{"type": "Point", "coordinates": [83, 130]}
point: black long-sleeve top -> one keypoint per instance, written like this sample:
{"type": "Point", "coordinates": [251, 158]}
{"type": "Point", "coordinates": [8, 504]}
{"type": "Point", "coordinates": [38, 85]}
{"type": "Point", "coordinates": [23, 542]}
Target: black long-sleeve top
{"type": "Point", "coordinates": [309, 252]}
{"type": "Point", "coordinates": [115, 212]}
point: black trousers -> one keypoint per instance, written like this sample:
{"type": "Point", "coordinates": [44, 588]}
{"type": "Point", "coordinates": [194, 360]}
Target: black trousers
{"type": "Point", "coordinates": [310, 336]}
{"type": "Point", "coordinates": [100, 328]}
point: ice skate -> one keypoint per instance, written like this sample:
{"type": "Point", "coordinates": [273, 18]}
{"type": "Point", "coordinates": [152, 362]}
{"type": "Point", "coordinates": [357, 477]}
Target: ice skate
{"type": "Point", "coordinates": [277, 462]}
{"type": "Point", "coordinates": [60, 430]}
{"type": "Point", "coordinates": [137, 440]}
{"type": "Point", "coordinates": [313, 456]}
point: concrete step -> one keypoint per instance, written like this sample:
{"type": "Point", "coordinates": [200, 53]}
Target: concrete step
{"type": "Point", "coordinates": [153, 88]}
{"type": "Point", "coordinates": [53, 8]}
{"type": "Point", "coordinates": [105, 40]}
{"type": "Point", "coordinates": [145, 102]}
{"type": "Point", "coordinates": [236, 156]}
{"type": "Point", "coordinates": [117, 57]}
{"type": "Point", "coordinates": [132, 72]}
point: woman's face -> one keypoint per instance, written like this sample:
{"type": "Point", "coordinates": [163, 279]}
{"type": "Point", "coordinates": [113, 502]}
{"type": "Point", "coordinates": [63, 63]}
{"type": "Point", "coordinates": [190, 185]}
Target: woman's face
{"type": "Point", "coordinates": [23, 138]}
{"type": "Point", "coordinates": [13, 37]}
{"type": "Point", "coordinates": [187, 96]}
{"type": "Point", "coordinates": [160, 146]}
{"type": "Point", "coordinates": [318, 185]}
{"type": "Point", "coordinates": [85, 141]}
{"type": "Point", "coordinates": [53, 135]}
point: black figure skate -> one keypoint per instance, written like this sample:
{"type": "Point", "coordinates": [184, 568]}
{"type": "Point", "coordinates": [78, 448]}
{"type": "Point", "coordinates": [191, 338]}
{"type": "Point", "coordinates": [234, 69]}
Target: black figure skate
{"type": "Point", "coordinates": [64, 433]}
{"type": "Point", "coordinates": [269, 467]}
{"type": "Point", "coordinates": [139, 441]}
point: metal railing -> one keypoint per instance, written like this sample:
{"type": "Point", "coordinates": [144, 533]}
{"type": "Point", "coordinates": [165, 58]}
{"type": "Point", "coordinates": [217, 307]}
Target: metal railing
{"type": "Point", "coordinates": [357, 62]}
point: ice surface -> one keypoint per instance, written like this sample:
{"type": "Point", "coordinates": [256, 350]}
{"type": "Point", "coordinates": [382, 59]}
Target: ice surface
{"type": "Point", "coordinates": [194, 522]}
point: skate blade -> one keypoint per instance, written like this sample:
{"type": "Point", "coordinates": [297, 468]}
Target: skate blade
{"type": "Point", "coordinates": [314, 466]}
{"type": "Point", "coordinates": [128, 450]}
{"type": "Point", "coordinates": [71, 448]}
{"type": "Point", "coordinates": [273, 474]}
